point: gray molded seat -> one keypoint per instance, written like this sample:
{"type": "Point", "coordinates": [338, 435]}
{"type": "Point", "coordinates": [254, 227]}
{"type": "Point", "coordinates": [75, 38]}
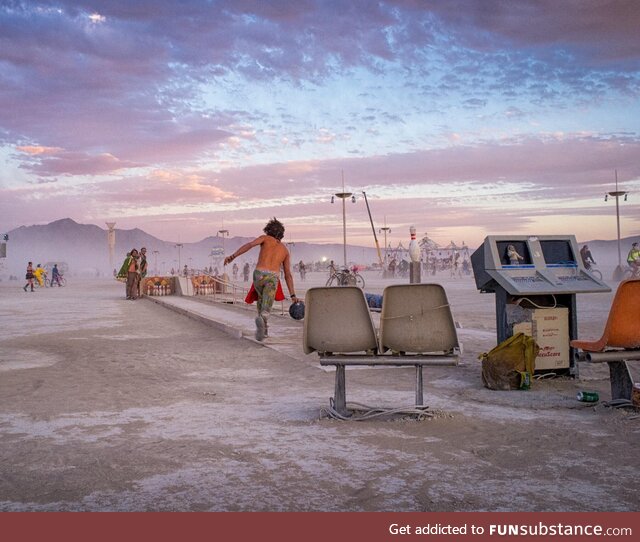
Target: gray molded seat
{"type": "Point", "coordinates": [337, 320]}
{"type": "Point", "coordinates": [417, 319]}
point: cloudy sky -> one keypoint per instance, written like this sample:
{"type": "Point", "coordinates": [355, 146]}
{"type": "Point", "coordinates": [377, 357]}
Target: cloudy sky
{"type": "Point", "coordinates": [463, 117]}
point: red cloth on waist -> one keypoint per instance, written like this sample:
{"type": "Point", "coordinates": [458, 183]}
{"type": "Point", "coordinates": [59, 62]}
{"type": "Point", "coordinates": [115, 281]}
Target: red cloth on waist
{"type": "Point", "coordinates": [253, 295]}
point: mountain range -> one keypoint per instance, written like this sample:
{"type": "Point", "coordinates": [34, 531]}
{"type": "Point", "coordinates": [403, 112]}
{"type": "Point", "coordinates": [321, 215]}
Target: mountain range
{"type": "Point", "coordinates": [84, 248]}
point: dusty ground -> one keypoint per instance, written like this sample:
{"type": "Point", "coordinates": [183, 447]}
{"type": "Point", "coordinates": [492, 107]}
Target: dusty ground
{"type": "Point", "coordinates": [108, 404]}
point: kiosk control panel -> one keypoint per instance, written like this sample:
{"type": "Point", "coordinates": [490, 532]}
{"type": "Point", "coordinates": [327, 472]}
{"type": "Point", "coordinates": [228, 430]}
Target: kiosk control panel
{"type": "Point", "coordinates": [535, 280]}
{"type": "Point", "coordinates": [548, 264]}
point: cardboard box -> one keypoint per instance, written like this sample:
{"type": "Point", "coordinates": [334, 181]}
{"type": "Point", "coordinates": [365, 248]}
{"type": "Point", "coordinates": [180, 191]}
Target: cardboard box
{"type": "Point", "coordinates": [550, 329]}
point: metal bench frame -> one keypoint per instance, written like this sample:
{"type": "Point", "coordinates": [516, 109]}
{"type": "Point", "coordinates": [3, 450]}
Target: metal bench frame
{"type": "Point", "coordinates": [416, 329]}
{"type": "Point", "coordinates": [619, 374]}
{"type": "Point", "coordinates": [418, 361]}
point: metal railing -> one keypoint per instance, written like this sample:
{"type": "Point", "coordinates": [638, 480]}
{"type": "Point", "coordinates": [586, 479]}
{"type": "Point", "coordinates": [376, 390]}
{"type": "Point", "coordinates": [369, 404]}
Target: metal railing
{"type": "Point", "coordinates": [221, 290]}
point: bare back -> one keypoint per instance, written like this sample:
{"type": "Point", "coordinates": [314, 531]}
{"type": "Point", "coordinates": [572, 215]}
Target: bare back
{"type": "Point", "coordinates": [273, 254]}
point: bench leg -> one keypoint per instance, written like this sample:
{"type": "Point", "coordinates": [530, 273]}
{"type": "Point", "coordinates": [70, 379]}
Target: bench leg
{"type": "Point", "coordinates": [340, 393]}
{"type": "Point", "coordinates": [419, 398]}
{"type": "Point", "coordinates": [621, 381]}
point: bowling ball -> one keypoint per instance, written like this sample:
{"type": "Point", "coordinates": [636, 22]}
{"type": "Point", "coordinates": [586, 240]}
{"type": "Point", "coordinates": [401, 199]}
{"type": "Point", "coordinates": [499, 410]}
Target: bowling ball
{"type": "Point", "coordinates": [296, 310]}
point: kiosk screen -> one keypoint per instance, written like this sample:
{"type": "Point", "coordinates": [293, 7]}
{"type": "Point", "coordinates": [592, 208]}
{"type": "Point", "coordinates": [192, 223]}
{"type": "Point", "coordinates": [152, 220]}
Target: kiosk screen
{"type": "Point", "coordinates": [521, 248]}
{"type": "Point", "coordinates": [557, 252]}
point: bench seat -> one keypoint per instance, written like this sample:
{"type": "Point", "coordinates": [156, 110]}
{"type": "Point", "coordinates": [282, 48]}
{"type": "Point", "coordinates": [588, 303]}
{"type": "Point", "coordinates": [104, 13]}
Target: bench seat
{"type": "Point", "coordinates": [417, 329]}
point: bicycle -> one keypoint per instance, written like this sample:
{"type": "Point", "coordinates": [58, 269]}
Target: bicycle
{"type": "Point", "coordinates": [345, 277]}
{"type": "Point", "coordinates": [61, 281]}
{"type": "Point", "coordinates": [631, 273]}
{"type": "Point", "coordinates": [593, 270]}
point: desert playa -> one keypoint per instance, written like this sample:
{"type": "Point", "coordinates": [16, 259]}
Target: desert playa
{"type": "Point", "coordinates": [115, 405]}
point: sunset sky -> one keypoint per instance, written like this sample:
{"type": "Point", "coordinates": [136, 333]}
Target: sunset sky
{"type": "Point", "coordinates": [465, 118]}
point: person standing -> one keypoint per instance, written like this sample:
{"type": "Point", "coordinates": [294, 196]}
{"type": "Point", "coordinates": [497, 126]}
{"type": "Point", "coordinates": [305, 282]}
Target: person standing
{"type": "Point", "coordinates": [133, 269]}
{"type": "Point", "coordinates": [29, 277]}
{"type": "Point", "coordinates": [332, 269]}
{"type": "Point", "coordinates": [303, 270]}
{"type": "Point", "coordinates": [129, 272]}
{"type": "Point", "coordinates": [55, 275]}
{"type": "Point", "coordinates": [143, 268]}
{"type": "Point", "coordinates": [455, 265]}
{"type": "Point", "coordinates": [273, 257]}
{"type": "Point", "coordinates": [40, 275]}
{"type": "Point", "coordinates": [392, 267]}
{"type": "Point", "coordinates": [245, 271]}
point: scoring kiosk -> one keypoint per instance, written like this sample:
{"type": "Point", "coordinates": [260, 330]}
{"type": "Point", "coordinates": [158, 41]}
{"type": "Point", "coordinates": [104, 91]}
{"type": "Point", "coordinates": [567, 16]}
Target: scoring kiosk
{"type": "Point", "coordinates": [536, 295]}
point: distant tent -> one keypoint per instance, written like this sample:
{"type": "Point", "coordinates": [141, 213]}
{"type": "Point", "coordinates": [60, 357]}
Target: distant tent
{"type": "Point", "coordinates": [400, 252]}
{"type": "Point", "coordinates": [427, 244]}
{"type": "Point", "coordinates": [452, 246]}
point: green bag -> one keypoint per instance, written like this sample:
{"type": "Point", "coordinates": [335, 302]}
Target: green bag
{"type": "Point", "coordinates": [510, 365]}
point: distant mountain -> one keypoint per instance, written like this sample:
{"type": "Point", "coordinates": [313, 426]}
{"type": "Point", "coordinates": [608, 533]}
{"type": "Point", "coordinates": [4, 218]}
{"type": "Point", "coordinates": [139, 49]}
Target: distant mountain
{"type": "Point", "coordinates": [84, 248]}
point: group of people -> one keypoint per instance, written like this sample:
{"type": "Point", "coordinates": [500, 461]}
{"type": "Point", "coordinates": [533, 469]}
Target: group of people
{"type": "Point", "coordinates": [133, 270]}
{"type": "Point", "coordinates": [246, 271]}
{"type": "Point", "coordinates": [633, 259]}
{"type": "Point", "coordinates": [39, 274]}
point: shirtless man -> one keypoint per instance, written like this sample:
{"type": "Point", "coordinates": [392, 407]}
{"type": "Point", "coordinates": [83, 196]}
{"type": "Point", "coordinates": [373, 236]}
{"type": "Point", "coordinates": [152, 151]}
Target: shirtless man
{"type": "Point", "coordinates": [273, 255]}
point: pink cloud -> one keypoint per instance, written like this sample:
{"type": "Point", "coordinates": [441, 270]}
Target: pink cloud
{"type": "Point", "coordinates": [159, 188]}
{"type": "Point", "coordinates": [556, 172]}
{"type": "Point", "coordinates": [168, 85]}
{"type": "Point", "coordinates": [38, 149]}
{"type": "Point", "coordinates": [55, 161]}
{"type": "Point", "coordinates": [553, 164]}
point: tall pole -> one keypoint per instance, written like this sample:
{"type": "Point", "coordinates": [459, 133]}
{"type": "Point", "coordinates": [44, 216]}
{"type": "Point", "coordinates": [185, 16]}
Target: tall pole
{"type": "Point", "coordinates": [224, 233]}
{"type": "Point", "coordinates": [386, 230]}
{"type": "Point", "coordinates": [179, 245]}
{"type": "Point", "coordinates": [111, 241]}
{"type": "Point", "coordinates": [344, 230]}
{"type": "Point", "coordinates": [343, 196]}
{"type": "Point", "coordinates": [618, 273]}
{"type": "Point", "coordinates": [290, 244]}
{"type": "Point", "coordinates": [618, 219]}
{"type": "Point", "coordinates": [373, 229]}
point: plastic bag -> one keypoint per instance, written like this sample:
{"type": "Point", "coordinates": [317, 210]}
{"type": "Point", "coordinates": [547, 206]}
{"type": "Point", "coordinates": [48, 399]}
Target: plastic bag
{"type": "Point", "coordinates": [510, 365]}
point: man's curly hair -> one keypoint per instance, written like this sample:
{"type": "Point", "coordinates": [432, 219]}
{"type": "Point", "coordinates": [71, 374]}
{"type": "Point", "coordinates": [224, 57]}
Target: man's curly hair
{"type": "Point", "coordinates": [274, 228]}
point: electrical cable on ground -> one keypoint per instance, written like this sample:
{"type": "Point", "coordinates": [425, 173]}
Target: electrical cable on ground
{"type": "Point", "coordinates": [618, 403]}
{"type": "Point", "coordinates": [360, 412]}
